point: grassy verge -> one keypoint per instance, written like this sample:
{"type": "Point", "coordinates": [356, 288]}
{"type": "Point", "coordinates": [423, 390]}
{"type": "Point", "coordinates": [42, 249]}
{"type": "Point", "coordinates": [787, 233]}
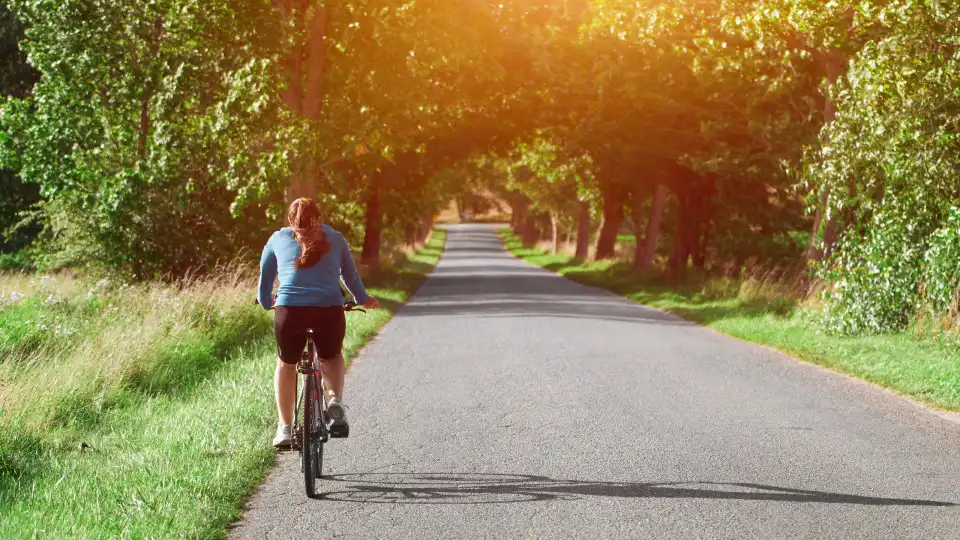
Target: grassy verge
{"type": "Point", "coordinates": [145, 411]}
{"type": "Point", "coordinates": [768, 313]}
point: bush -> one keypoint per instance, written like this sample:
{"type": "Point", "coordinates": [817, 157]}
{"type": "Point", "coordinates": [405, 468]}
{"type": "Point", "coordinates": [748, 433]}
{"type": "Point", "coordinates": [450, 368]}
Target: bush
{"type": "Point", "coordinates": [19, 260]}
{"type": "Point", "coordinates": [875, 278]}
{"type": "Point", "coordinates": [941, 270]}
{"type": "Point", "coordinates": [889, 171]}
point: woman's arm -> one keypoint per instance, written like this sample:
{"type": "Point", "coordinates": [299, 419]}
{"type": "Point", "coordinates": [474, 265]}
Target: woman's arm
{"type": "Point", "coordinates": [268, 273]}
{"type": "Point", "coordinates": [348, 272]}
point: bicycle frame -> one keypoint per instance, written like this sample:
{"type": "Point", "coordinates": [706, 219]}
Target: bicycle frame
{"type": "Point", "coordinates": [309, 366]}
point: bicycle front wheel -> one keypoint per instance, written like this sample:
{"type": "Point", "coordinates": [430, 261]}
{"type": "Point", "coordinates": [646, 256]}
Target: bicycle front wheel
{"type": "Point", "coordinates": [318, 438]}
{"type": "Point", "coordinates": [312, 445]}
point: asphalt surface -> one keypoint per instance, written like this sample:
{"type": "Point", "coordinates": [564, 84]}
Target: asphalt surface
{"type": "Point", "coordinates": [506, 402]}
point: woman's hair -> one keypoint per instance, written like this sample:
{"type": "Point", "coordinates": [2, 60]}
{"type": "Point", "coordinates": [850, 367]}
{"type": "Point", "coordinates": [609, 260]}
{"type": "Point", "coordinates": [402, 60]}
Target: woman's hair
{"type": "Point", "coordinates": [304, 217]}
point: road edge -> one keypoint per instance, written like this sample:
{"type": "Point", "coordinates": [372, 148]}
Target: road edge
{"type": "Point", "coordinates": [949, 416]}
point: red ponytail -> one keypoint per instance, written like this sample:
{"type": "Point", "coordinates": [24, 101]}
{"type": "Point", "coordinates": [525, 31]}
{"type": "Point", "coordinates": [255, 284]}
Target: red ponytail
{"type": "Point", "coordinates": [304, 217]}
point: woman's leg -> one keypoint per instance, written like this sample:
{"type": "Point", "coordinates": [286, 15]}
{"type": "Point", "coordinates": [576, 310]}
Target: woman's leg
{"type": "Point", "coordinates": [285, 388]}
{"type": "Point", "coordinates": [290, 342]}
{"type": "Point", "coordinates": [334, 371]}
{"type": "Point", "coordinates": [330, 347]}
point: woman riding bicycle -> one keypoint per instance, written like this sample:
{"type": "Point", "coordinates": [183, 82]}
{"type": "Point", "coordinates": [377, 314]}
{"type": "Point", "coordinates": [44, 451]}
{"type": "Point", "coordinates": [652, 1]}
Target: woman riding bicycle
{"type": "Point", "coordinates": [311, 258]}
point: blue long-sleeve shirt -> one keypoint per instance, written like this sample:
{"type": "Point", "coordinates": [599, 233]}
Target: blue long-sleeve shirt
{"type": "Point", "coordinates": [318, 285]}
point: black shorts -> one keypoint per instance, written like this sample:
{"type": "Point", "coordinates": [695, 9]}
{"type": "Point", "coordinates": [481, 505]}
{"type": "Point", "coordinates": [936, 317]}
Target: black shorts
{"type": "Point", "coordinates": [290, 325]}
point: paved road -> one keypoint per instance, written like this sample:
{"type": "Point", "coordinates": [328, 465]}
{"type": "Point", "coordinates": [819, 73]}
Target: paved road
{"type": "Point", "coordinates": [505, 402]}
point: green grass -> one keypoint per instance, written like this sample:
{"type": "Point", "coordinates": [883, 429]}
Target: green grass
{"type": "Point", "coordinates": [769, 313]}
{"type": "Point", "coordinates": [157, 421]}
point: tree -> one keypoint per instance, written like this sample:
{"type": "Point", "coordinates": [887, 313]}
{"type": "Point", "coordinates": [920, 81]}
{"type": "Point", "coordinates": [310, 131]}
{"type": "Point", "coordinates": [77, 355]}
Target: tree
{"type": "Point", "coordinates": [559, 182]}
{"type": "Point", "coordinates": [16, 80]}
{"type": "Point", "coordinates": [890, 167]}
{"type": "Point", "coordinates": [144, 143]}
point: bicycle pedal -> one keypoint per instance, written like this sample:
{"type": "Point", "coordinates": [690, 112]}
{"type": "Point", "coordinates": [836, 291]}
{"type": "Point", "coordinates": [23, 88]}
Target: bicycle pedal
{"type": "Point", "coordinates": [339, 431]}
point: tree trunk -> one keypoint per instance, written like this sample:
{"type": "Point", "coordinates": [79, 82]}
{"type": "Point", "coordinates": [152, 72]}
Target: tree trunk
{"type": "Point", "coordinates": [583, 232]}
{"type": "Point", "coordinates": [637, 199]}
{"type": "Point", "coordinates": [700, 258]}
{"type": "Point", "coordinates": [426, 227]}
{"type": "Point", "coordinates": [829, 236]}
{"type": "Point", "coordinates": [695, 231]}
{"type": "Point", "coordinates": [555, 233]}
{"type": "Point", "coordinates": [680, 255]}
{"type": "Point", "coordinates": [374, 225]}
{"type": "Point", "coordinates": [813, 250]}
{"type": "Point", "coordinates": [681, 244]}
{"type": "Point", "coordinates": [521, 209]}
{"type": "Point", "coordinates": [644, 261]}
{"type": "Point", "coordinates": [411, 234]}
{"type": "Point", "coordinates": [832, 65]}
{"type": "Point", "coordinates": [316, 64]}
{"type": "Point", "coordinates": [610, 226]}
{"type": "Point", "coordinates": [736, 268]}
{"type": "Point", "coordinates": [528, 228]}
{"type": "Point", "coordinates": [305, 68]}
{"type": "Point", "coordinates": [292, 92]}
{"type": "Point", "coordinates": [316, 53]}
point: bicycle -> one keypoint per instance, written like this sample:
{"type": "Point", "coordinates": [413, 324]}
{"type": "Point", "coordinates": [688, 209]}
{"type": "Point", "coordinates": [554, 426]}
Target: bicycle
{"type": "Point", "coordinates": [311, 425]}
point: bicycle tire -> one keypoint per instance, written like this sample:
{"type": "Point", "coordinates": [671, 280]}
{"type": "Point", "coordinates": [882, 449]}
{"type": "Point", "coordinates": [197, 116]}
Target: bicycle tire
{"type": "Point", "coordinates": [308, 447]}
{"type": "Point", "coordinates": [318, 436]}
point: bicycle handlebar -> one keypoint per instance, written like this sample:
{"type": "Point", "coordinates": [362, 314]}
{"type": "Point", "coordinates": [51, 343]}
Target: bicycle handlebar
{"type": "Point", "coordinates": [349, 305]}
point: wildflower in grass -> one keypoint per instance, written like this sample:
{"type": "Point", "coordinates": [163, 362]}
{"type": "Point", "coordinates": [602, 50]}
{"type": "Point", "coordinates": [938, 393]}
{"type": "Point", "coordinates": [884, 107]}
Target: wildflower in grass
{"type": "Point", "coordinates": [64, 331]}
{"type": "Point", "coordinates": [98, 288]}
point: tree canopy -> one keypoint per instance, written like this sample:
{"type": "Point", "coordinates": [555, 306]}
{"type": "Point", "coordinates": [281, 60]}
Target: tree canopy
{"type": "Point", "coordinates": [166, 135]}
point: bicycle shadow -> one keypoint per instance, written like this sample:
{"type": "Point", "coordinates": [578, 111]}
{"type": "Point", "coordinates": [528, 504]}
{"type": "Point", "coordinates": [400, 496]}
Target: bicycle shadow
{"type": "Point", "coordinates": [481, 488]}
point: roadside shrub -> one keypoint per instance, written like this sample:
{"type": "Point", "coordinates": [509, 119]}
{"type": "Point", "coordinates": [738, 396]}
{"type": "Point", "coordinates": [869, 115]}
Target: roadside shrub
{"type": "Point", "coordinates": [941, 269]}
{"type": "Point", "coordinates": [875, 278]}
{"type": "Point", "coordinates": [888, 171]}
{"type": "Point", "coordinates": [19, 260]}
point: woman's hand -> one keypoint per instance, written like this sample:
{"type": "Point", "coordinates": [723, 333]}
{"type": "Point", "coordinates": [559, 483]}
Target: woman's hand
{"type": "Point", "coordinates": [371, 303]}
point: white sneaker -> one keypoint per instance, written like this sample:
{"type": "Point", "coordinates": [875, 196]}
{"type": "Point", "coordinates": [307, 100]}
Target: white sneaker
{"type": "Point", "coordinates": [284, 436]}
{"type": "Point", "coordinates": [335, 410]}
{"type": "Point", "coordinates": [339, 427]}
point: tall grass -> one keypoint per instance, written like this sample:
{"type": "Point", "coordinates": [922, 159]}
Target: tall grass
{"type": "Point", "coordinates": [145, 411]}
{"type": "Point", "coordinates": [777, 288]}
{"type": "Point", "coordinates": [73, 349]}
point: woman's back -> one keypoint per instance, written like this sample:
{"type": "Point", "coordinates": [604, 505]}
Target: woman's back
{"type": "Point", "coordinates": [315, 285]}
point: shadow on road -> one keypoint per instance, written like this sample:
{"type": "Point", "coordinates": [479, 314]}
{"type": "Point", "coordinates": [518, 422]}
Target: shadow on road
{"type": "Point", "coordinates": [478, 278]}
{"type": "Point", "coordinates": [480, 488]}
{"type": "Point", "coordinates": [538, 305]}
{"type": "Point", "coordinates": [501, 289]}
